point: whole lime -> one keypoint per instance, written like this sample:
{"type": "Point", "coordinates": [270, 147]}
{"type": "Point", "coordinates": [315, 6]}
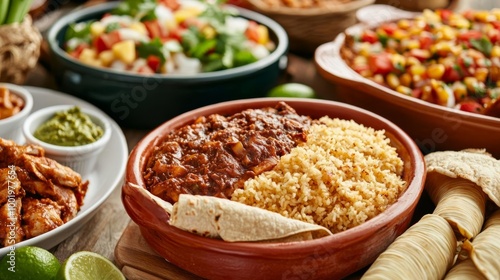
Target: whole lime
{"type": "Point", "coordinates": [86, 265]}
{"type": "Point", "coordinates": [292, 90]}
{"type": "Point", "coordinates": [29, 262]}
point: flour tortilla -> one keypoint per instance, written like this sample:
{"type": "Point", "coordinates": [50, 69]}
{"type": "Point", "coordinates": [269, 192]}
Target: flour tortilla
{"type": "Point", "coordinates": [233, 221]}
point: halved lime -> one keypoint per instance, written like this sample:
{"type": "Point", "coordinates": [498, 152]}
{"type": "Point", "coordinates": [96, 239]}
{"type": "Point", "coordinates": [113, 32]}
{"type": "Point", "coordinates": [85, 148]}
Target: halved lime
{"type": "Point", "coordinates": [85, 265]}
{"type": "Point", "coordinates": [29, 262]}
{"type": "Point", "coordinates": [292, 90]}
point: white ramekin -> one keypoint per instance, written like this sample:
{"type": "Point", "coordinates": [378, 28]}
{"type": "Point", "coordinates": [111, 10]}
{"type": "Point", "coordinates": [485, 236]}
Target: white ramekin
{"type": "Point", "coordinates": [81, 159]}
{"type": "Point", "coordinates": [11, 127]}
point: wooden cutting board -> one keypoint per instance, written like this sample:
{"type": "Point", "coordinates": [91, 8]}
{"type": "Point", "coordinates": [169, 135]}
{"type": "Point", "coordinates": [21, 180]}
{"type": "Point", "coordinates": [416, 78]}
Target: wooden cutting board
{"type": "Point", "coordinates": [139, 262]}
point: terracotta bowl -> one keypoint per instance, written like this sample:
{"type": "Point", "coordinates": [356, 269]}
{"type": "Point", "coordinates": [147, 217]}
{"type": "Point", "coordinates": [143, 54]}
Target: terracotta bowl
{"type": "Point", "coordinates": [330, 257]}
{"type": "Point", "coordinates": [433, 127]}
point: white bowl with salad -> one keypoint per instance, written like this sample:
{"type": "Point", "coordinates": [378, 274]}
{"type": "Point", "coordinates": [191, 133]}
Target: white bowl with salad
{"type": "Point", "coordinates": [165, 57]}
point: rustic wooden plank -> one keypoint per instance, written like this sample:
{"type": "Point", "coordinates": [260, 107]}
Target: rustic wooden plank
{"type": "Point", "coordinates": [134, 256]}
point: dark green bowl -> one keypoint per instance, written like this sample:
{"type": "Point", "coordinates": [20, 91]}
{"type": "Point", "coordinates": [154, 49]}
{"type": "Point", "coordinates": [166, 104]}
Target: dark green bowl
{"type": "Point", "coordinates": [144, 102]}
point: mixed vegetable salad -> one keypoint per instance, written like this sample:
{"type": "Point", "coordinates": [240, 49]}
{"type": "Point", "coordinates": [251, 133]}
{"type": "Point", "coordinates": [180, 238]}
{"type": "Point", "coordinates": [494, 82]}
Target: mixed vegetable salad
{"type": "Point", "coordinates": [443, 57]}
{"type": "Point", "coordinates": [167, 37]}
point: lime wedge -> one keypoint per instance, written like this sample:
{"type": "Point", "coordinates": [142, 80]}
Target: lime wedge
{"type": "Point", "coordinates": [292, 90]}
{"type": "Point", "coordinates": [89, 265]}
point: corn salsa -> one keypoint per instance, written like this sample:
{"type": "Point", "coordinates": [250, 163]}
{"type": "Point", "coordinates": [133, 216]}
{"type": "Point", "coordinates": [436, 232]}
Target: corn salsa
{"type": "Point", "coordinates": [442, 57]}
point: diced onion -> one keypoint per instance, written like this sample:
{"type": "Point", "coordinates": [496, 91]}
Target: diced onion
{"type": "Point", "coordinates": [130, 34]}
{"type": "Point", "coordinates": [259, 51]}
{"type": "Point", "coordinates": [186, 65]}
{"type": "Point", "coordinates": [236, 25]}
{"type": "Point", "coordinates": [117, 19]}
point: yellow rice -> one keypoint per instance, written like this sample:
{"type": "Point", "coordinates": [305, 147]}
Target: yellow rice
{"type": "Point", "coordinates": [344, 175]}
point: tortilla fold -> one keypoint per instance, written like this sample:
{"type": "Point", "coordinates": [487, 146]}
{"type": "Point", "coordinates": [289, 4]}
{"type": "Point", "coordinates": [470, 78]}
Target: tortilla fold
{"type": "Point", "coordinates": [233, 221]}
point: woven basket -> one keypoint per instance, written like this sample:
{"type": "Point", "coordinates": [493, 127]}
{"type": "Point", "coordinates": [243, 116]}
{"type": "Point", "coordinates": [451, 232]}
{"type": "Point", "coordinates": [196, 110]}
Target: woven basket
{"type": "Point", "coordinates": [19, 50]}
{"type": "Point", "coordinates": [308, 28]}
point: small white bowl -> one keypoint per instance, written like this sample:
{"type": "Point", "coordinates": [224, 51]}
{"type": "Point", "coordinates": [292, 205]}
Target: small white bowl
{"type": "Point", "coordinates": [10, 128]}
{"type": "Point", "coordinates": [81, 159]}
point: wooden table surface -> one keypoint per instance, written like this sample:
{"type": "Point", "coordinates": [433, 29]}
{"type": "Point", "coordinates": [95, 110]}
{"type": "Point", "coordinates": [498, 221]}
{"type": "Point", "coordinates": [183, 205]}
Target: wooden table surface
{"type": "Point", "coordinates": [103, 231]}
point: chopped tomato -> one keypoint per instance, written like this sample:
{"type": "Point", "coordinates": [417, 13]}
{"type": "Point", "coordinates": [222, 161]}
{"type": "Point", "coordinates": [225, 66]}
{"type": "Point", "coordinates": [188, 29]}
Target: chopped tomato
{"type": "Point", "coordinates": [425, 41]}
{"type": "Point", "coordinates": [154, 62]}
{"type": "Point", "coordinates": [176, 34]}
{"type": "Point", "coordinates": [369, 36]}
{"type": "Point", "coordinates": [494, 35]}
{"type": "Point", "coordinates": [469, 14]}
{"type": "Point", "coordinates": [106, 40]}
{"type": "Point", "coordinates": [445, 14]}
{"type": "Point", "coordinates": [389, 28]}
{"type": "Point", "coordinates": [155, 30]}
{"type": "Point", "coordinates": [471, 106]}
{"type": "Point", "coordinates": [172, 4]}
{"type": "Point", "coordinates": [496, 24]}
{"type": "Point", "coordinates": [252, 32]}
{"type": "Point", "coordinates": [470, 34]}
{"type": "Point", "coordinates": [78, 50]}
{"type": "Point", "coordinates": [380, 63]}
{"type": "Point", "coordinates": [452, 74]}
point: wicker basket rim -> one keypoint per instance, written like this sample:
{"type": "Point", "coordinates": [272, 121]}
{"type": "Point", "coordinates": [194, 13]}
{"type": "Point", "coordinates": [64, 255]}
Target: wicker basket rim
{"type": "Point", "coordinates": [330, 8]}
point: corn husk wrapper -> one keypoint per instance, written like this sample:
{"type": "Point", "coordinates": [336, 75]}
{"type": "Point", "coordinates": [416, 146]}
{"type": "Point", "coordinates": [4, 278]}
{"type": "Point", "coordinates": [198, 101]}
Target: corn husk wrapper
{"type": "Point", "coordinates": [474, 165]}
{"type": "Point", "coordinates": [484, 250]}
{"type": "Point", "coordinates": [464, 270]}
{"type": "Point", "coordinates": [461, 202]}
{"type": "Point", "coordinates": [425, 251]}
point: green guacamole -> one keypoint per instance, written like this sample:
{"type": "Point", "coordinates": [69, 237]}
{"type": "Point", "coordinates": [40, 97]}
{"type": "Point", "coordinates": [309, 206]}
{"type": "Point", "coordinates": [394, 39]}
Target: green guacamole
{"type": "Point", "coordinates": [69, 128]}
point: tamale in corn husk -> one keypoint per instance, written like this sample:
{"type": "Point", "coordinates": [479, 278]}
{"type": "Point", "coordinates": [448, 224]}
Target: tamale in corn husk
{"type": "Point", "coordinates": [484, 250]}
{"type": "Point", "coordinates": [464, 270]}
{"type": "Point", "coordinates": [425, 251]}
{"type": "Point", "coordinates": [461, 202]}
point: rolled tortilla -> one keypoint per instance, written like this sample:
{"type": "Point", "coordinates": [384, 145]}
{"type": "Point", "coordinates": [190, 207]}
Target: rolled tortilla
{"type": "Point", "coordinates": [461, 202]}
{"type": "Point", "coordinates": [233, 221]}
{"type": "Point", "coordinates": [425, 251]}
{"type": "Point", "coordinates": [484, 250]}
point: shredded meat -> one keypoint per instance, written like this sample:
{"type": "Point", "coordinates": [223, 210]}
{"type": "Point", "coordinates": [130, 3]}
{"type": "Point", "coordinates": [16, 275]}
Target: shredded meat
{"type": "Point", "coordinates": [216, 154]}
{"type": "Point", "coordinates": [37, 194]}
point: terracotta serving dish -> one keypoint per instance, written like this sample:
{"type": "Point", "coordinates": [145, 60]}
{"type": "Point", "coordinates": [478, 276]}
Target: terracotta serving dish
{"type": "Point", "coordinates": [330, 257]}
{"type": "Point", "coordinates": [433, 127]}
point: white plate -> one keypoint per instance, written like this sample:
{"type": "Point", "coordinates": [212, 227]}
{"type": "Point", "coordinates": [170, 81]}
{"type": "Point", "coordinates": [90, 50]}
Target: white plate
{"type": "Point", "coordinates": [106, 177]}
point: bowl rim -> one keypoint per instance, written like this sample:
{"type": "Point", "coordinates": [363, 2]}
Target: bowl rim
{"type": "Point", "coordinates": [28, 103]}
{"type": "Point", "coordinates": [327, 10]}
{"type": "Point", "coordinates": [47, 112]}
{"type": "Point", "coordinates": [76, 16]}
{"type": "Point", "coordinates": [331, 65]}
{"type": "Point", "coordinates": [407, 200]}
